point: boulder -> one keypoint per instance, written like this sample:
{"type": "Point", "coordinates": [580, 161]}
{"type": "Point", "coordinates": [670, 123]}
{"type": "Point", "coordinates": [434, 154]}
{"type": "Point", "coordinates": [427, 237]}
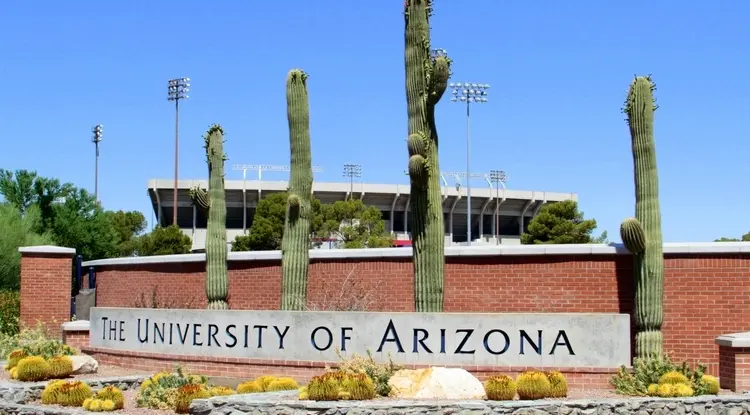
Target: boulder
{"type": "Point", "coordinates": [436, 383]}
{"type": "Point", "coordinates": [84, 364]}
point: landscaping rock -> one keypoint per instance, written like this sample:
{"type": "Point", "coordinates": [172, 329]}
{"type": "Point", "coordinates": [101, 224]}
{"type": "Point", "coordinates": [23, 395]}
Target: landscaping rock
{"type": "Point", "coordinates": [84, 364]}
{"type": "Point", "coordinates": [435, 383]}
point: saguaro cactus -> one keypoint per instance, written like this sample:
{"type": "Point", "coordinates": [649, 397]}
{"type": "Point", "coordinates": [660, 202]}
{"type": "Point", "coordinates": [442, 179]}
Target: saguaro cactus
{"type": "Point", "coordinates": [642, 235]}
{"type": "Point", "coordinates": [295, 243]}
{"type": "Point", "coordinates": [217, 280]}
{"type": "Point", "coordinates": [427, 75]}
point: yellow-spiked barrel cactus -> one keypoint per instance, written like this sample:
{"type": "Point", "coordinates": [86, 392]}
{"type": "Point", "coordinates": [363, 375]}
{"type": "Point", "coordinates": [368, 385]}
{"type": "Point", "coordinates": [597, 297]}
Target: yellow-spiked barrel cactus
{"type": "Point", "coordinates": [673, 378]}
{"type": "Point", "coordinates": [322, 388]}
{"type": "Point", "coordinates": [358, 386]}
{"type": "Point", "coordinates": [14, 357]}
{"type": "Point", "coordinates": [51, 392]}
{"type": "Point", "coordinates": [295, 242]}
{"type": "Point", "coordinates": [427, 75]}
{"type": "Point", "coordinates": [712, 384]}
{"type": "Point", "coordinates": [642, 235]}
{"type": "Point", "coordinates": [282, 384]}
{"type": "Point", "coordinates": [217, 279]}
{"type": "Point", "coordinates": [558, 385]}
{"type": "Point", "coordinates": [500, 388]}
{"type": "Point", "coordinates": [73, 393]}
{"type": "Point", "coordinates": [533, 385]}
{"type": "Point", "coordinates": [252, 386]}
{"type": "Point", "coordinates": [32, 369]}
{"type": "Point", "coordinates": [221, 391]}
{"type": "Point", "coordinates": [60, 367]}
{"type": "Point", "coordinates": [112, 393]}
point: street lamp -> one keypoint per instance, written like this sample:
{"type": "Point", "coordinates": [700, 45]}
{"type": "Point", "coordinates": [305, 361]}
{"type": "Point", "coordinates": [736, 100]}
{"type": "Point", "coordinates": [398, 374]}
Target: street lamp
{"type": "Point", "coordinates": [469, 93]}
{"type": "Point", "coordinates": [177, 89]}
{"type": "Point", "coordinates": [498, 178]}
{"type": "Point", "coordinates": [97, 130]}
{"type": "Point", "coordinates": [351, 171]}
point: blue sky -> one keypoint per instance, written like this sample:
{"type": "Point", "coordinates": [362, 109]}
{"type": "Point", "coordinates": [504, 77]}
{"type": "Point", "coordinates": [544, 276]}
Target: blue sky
{"type": "Point", "coordinates": [559, 72]}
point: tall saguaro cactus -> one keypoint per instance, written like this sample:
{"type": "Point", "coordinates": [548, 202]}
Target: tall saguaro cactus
{"type": "Point", "coordinates": [217, 279]}
{"type": "Point", "coordinates": [642, 235]}
{"type": "Point", "coordinates": [426, 80]}
{"type": "Point", "coordinates": [295, 243]}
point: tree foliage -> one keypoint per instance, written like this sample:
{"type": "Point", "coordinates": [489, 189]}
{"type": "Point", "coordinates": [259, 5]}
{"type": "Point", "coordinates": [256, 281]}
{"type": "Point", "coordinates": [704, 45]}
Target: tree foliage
{"type": "Point", "coordinates": [744, 238]}
{"type": "Point", "coordinates": [17, 230]}
{"type": "Point", "coordinates": [353, 223]}
{"type": "Point", "coordinates": [561, 223]}
{"type": "Point", "coordinates": [162, 241]}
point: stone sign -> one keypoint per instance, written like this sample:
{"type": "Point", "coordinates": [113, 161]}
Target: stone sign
{"type": "Point", "coordinates": [553, 340]}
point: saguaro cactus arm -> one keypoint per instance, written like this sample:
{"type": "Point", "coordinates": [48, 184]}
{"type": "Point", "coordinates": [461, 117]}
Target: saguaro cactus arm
{"type": "Point", "coordinates": [199, 198]}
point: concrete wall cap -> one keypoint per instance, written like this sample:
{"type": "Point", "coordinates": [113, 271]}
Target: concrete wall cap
{"type": "Point", "coordinates": [734, 340]}
{"type": "Point", "coordinates": [78, 325]}
{"type": "Point", "coordinates": [453, 251]}
{"type": "Point", "coordinates": [47, 249]}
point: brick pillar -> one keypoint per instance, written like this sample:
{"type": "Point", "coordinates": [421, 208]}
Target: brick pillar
{"type": "Point", "coordinates": [46, 277]}
{"type": "Point", "coordinates": [734, 361]}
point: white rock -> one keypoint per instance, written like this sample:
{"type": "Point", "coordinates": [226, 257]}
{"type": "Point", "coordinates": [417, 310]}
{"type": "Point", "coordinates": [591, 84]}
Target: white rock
{"type": "Point", "coordinates": [84, 364]}
{"type": "Point", "coordinates": [436, 383]}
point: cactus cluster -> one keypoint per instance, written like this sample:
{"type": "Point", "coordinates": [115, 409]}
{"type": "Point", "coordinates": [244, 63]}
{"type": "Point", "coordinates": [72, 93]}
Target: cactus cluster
{"type": "Point", "coordinates": [642, 235]}
{"type": "Point", "coordinates": [500, 388]}
{"type": "Point", "coordinates": [186, 394]}
{"type": "Point", "coordinates": [267, 384]}
{"type": "Point", "coordinates": [336, 385]}
{"type": "Point", "coordinates": [427, 75]}
{"type": "Point", "coordinates": [113, 394]}
{"type": "Point", "coordinates": [295, 243]}
{"type": "Point", "coordinates": [672, 384]}
{"type": "Point", "coordinates": [66, 393]}
{"type": "Point", "coordinates": [99, 405]}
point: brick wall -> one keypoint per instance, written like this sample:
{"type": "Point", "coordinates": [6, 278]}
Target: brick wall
{"type": "Point", "coordinates": [707, 286]}
{"type": "Point", "coordinates": [46, 280]}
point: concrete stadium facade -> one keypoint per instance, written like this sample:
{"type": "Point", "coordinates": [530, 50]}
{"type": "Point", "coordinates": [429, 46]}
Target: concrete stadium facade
{"type": "Point", "coordinates": [512, 208]}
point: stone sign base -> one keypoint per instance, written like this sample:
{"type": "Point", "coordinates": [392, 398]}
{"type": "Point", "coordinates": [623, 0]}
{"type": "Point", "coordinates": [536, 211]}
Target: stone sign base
{"type": "Point", "coordinates": [281, 403]}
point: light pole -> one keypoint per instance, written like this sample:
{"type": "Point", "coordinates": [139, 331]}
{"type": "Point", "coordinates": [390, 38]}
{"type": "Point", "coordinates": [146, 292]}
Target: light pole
{"type": "Point", "coordinates": [177, 89]}
{"type": "Point", "coordinates": [469, 93]}
{"type": "Point", "coordinates": [498, 178]}
{"type": "Point", "coordinates": [351, 171]}
{"type": "Point", "coordinates": [97, 130]}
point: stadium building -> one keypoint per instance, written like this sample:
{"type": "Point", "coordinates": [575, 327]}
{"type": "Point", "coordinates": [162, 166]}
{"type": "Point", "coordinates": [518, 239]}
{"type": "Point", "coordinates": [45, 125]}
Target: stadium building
{"type": "Point", "coordinates": [512, 208]}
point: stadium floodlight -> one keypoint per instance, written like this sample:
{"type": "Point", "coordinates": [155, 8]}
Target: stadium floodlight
{"type": "Point", "coordinates": [177, 90]}
{"type": "Point", "coordinates": [260, 168]}
{"type": "Point", "coordinates": [351, 171]}
{"type": "Point", "coordinates": [469, 93]}
{"type": "Point", "coordinates": [498, 178]}
{"type": "Point", "coordinates": [96, 139]}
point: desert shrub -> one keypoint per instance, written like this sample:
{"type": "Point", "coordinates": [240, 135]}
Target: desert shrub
{"type": "Point", "coordinates": [160, 391]}
{"type": "Point", "coordinates": [532, 385]}
{"type": "Point", "coordinates": [380, 373]}
{"type": "Point", "coordinates": [10, 310]}
{"type": "Point", "coordinates": [646, 375]}
{"type": "Point", "coordinates": [186, 394]}
{"type": "Point", "coordinates": [35, 341]}
{"type": "Point", "coordinates": [500, 388]}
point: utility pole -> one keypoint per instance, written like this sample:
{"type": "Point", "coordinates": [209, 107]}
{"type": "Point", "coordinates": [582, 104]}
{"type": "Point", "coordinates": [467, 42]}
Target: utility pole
{"type": "Point", "coordinates": [97, 130]}
{"type": "Point", "coordinates": [469, 93]}
{"type": "Point", "coordinates": [177, 89]}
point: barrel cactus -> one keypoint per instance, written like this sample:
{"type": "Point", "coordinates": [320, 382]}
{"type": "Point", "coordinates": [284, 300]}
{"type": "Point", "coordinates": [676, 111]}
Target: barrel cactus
{"type": "Point", "coordinates": [217, 279]}
{"type": "Point", "coordinates": [427, 75]}
{"type": "Point", "coordinates": [295, 243]}
{"type": "Point", "coordinates": [642, 235]}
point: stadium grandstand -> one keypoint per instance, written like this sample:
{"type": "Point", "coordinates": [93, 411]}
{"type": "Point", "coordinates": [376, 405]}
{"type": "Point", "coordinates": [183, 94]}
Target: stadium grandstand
{"type": "Point", "coordinates": [499, 215]}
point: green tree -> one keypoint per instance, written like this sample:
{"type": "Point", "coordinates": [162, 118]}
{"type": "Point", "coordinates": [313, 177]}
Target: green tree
{"type": "Point", "coordinates": [162, 241]}
{"type": "Point", "coordinates": [17, 231]}
{"type": "Point", "coordinates": [561, 223]}
{"type": "Point", "coordinates": [128, 226]}
{"type": "Point", "coordinates": [80, 222]}
{"type": "Point", "coordinates": [745, 238]}
{"type": "Point", "coordinates": [24, 188]}
{"type": "Point", "coordinates": [355, 224]}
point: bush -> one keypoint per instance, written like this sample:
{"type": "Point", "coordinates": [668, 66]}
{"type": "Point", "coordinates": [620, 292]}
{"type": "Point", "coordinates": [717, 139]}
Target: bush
{"type": "Point", "coordinates": [10, 310]}
{"type": "Point", "coordinates": [380, 373]}
{"type": "Point", "coordinates": [161, 390]}
{"type": "Point", "coordinates": [35, 341]}
{"type": "Point", "coordinates": [646, 378]}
